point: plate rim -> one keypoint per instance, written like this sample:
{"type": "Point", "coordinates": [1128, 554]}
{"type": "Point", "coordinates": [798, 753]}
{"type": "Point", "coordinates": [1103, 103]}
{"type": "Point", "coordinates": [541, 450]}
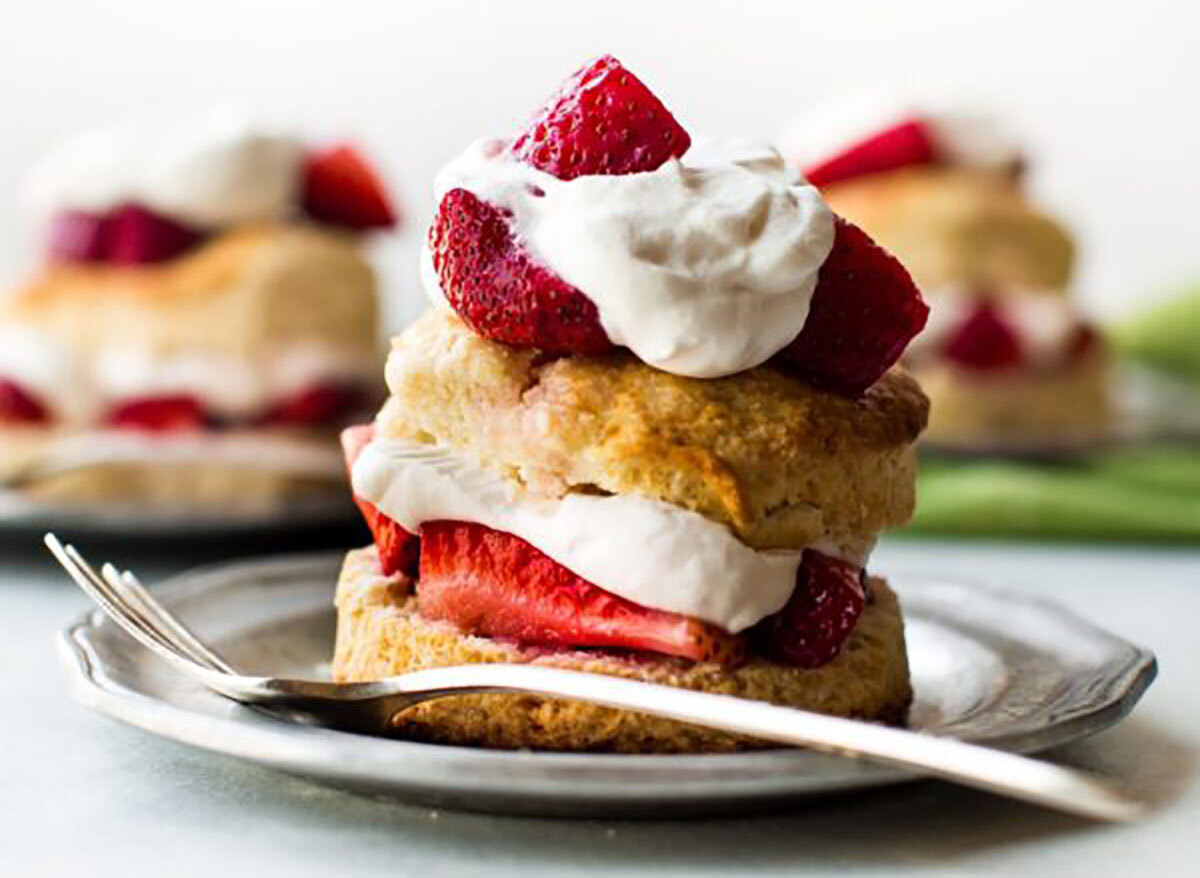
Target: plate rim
{"type": "Point", "coordinates": [262, 744]}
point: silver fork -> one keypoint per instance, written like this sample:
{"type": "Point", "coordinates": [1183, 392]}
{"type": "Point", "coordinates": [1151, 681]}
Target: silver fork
{"type": "Point", "coordinates": [370, 707]}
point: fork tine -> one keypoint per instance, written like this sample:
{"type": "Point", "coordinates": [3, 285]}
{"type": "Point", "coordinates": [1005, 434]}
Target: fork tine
{"type": "Point", "coordinates": [112, 604]}
{"type": "Point", "coordinates": [181, 637]}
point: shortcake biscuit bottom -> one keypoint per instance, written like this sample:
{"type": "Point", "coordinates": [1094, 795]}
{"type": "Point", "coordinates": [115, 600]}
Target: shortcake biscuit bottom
{"type": "Point", "coordinates": [380, 634]}
{"type": "Point", "coordinates": [1068, 407]}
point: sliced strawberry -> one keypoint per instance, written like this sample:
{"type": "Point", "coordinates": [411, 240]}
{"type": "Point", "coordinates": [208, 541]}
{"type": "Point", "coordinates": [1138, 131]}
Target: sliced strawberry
{"type": "Point", "coordinates": [159, 414]}
{"type": "Point", "coordinates": [904, 144]}
{"type": "Point", "coordinates": [984, 341]}
{"type": "Point", "coordinates": [137, 236]}
{"type": "Point", "coordinates": [811, 628]}
{"type": "Point", "coordinates": [76, 236]}
{"type": "Point", "coordinates": [603, 120]}
{"type": "Point", "coordinates": [398, 549]}
{"type": "Point", "coordinates": [865, 310]}
{"type": "Point", "coordinates": [324, 403]}
{"type": "Point", "coordinates": [497, 585]}
{"type": "Point", "coordinates": [499, 290]}
{"type": "Point", "coordinates": [19, 406]}
{"type": "Point", "coordinates": [1082, 341]}
{"type": "Point", "coordinates": [341, 188]}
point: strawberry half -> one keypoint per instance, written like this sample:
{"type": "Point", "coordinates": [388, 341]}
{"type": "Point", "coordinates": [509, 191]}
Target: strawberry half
{"type": "Point", "coordinates": [137, 236]}
{"type": "Point", "coordinates": [603, 120]}
{"type": "Point", "coordinates": [495, 584]}
{"type": "Point", "coordinates": [159, 414]}
{"type": "Point", "coordinates": [984, 341]}
{"type": "Point", "coordinates": [499, 290]}
{"type": "Point", "coordinates": [811, 628]}
{"type": "Point", "coordinates": [398, 549]}
{"type": "Point", "coordinates": [76, 236]}
{"type": "Point", "coordinates": [18, 406]}
{"type": "Point", "coordinates": [904, 144]}
{"type": "Point", "coordinates": [324, 403]}
{"type": "Point", "coordinates": [341, 188]}
{"type": "Point", "coordinates": [864, 312]}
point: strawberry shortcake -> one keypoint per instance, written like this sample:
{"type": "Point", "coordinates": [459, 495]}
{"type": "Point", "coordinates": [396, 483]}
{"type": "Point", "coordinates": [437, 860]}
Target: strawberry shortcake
{"type": "Point", "coordinates": [204, 323]}
{"type": "Point", "coordinates": [1007, 361]}
{"type": "Point", "coordinates": [649, 428]}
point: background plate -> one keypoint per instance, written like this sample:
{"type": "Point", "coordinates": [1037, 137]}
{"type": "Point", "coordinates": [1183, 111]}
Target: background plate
{"type": "Point", "coordinates": [988, 667]}
{"type": "Point", "coordinates": [21, 516]}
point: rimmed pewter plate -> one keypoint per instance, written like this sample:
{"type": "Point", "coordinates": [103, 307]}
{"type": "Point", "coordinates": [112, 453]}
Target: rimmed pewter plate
{"type": "Point", "coordinates": [1005, 670]}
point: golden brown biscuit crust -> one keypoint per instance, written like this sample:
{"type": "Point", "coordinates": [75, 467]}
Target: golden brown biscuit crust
{"type": "Point", "coordinates": [953, 226]}
{"type": "Point", "coordinates": [782, 464]}
{"type": "Point", "coordinates": [379, 634]}
{"type": "Point", "coordinates": [250, 289]}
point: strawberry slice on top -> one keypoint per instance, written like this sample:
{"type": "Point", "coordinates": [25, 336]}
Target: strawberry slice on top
{"type": "Point", "coordinates": [494, 584]}
{"type": "Point", "coordinates": [864, 312]}
{"type": "Point", "coordinates": [603, 120]}
{"type": "Point", "coordinates": [907, 143]}
{"type": "Point", "coordinates": [342, 189]}
{"type": "Point", "coordinates": [499, 290]}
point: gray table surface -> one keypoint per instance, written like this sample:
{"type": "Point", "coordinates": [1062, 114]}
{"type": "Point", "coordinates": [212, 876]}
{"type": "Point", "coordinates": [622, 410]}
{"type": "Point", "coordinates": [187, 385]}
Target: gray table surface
{"type": "Point", "coordinates": [83, 795]}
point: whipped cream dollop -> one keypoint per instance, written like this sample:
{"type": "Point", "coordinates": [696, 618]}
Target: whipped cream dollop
{"type": "Point", "coordinates": [80, 387]}
{"type": "Point", "coordinates": [218, 169]}
{"type": "Point", "coordinates": [960, 136]}
{"type": "Point", "coordinates": [704, 267]}
{"type": "Point", "coordinates": [644, 550]}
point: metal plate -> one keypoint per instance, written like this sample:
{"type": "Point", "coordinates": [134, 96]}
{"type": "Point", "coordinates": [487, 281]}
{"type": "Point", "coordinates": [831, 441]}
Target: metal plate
{"type": "Point", "coordinates": [989, 667]}
{"type": "Point", "coordinates": [22, 516]}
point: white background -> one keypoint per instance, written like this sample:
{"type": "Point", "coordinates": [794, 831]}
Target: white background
{"type": "Point", "coordinates": [1105, 93]}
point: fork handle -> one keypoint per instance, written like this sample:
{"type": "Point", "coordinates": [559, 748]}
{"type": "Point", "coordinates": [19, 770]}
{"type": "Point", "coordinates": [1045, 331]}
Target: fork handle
{"type": "Point", "coordinates": [972, 765]}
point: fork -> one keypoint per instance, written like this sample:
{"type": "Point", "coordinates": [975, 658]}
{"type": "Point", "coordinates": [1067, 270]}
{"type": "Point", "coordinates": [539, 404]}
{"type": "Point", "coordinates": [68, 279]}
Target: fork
{"type": "Point", "coordinates": [370, 706]}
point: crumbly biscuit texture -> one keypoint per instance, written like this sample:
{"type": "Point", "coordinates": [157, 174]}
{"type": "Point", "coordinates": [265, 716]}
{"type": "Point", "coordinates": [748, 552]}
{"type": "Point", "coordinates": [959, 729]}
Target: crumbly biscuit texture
{"type": "Point", "coordinates": [380, 634]}
{"type": "Point", "coordinates": [781, 463]}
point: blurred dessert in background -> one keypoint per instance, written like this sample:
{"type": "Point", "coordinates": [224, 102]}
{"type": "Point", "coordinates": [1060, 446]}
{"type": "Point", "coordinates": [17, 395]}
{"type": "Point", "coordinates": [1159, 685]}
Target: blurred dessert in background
{"type": "Point", "coordinates": [1007, 361]}
{"type": "Point", "coordinates": [649, 429]}
{"type": "Point", "coordinates": [204, 321]}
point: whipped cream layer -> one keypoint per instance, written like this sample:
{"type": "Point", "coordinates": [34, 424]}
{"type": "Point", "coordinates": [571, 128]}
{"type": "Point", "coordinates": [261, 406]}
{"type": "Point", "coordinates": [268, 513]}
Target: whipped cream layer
{"type": "Point", "coordinates": [79, 388]}
{"type": "Point", "coordinates": [644, 550]}
{"type": "Point", "coordinates": [960, 137]}
{"type": "Point", "coordinates": [704, 267]}
{"type": "Point", "coordinates": [218, 169]}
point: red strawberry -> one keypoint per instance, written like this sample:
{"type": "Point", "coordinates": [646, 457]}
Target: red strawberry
{"type": "Point", "coordinates": [497, 585]}
{"type": "Point", "coordinates": [602, 120]}
{"type": "Point", "coordinates": [137, 236]}
{"type": "Point", "coordinates": [324, 403]}
{"type": "Point", "coordinates": [984, 341]}
{"type": "Point", "coordinates": [811, 628]}
{"type": "Point", "coordinates": [19, 406]}
{"type": "Point", "coordinates": [906, 143]}
{"type": "Point", "coordinates": [76, 236]}
{"type": "Point", "coordinates": [341, 189]}
{"type": "Point", "coordinates": [864, 312]}
{"type": "Point", "coordinates": [398, 549]}
{"type": "Point", "coordinates": [499, 290]}
{"type": "Point", "coordinates": [159, 414]}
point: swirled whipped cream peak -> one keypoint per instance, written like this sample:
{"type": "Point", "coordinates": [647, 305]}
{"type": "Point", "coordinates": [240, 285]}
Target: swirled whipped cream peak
{"type": "Point", "coordinates": [879, 130]}
{"type": "Point", "coordinates": [705, 266]}
{"type": "Point", "coordinates": [138, 193]}
{"type": "Point", "coordinates": [602, 226]}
